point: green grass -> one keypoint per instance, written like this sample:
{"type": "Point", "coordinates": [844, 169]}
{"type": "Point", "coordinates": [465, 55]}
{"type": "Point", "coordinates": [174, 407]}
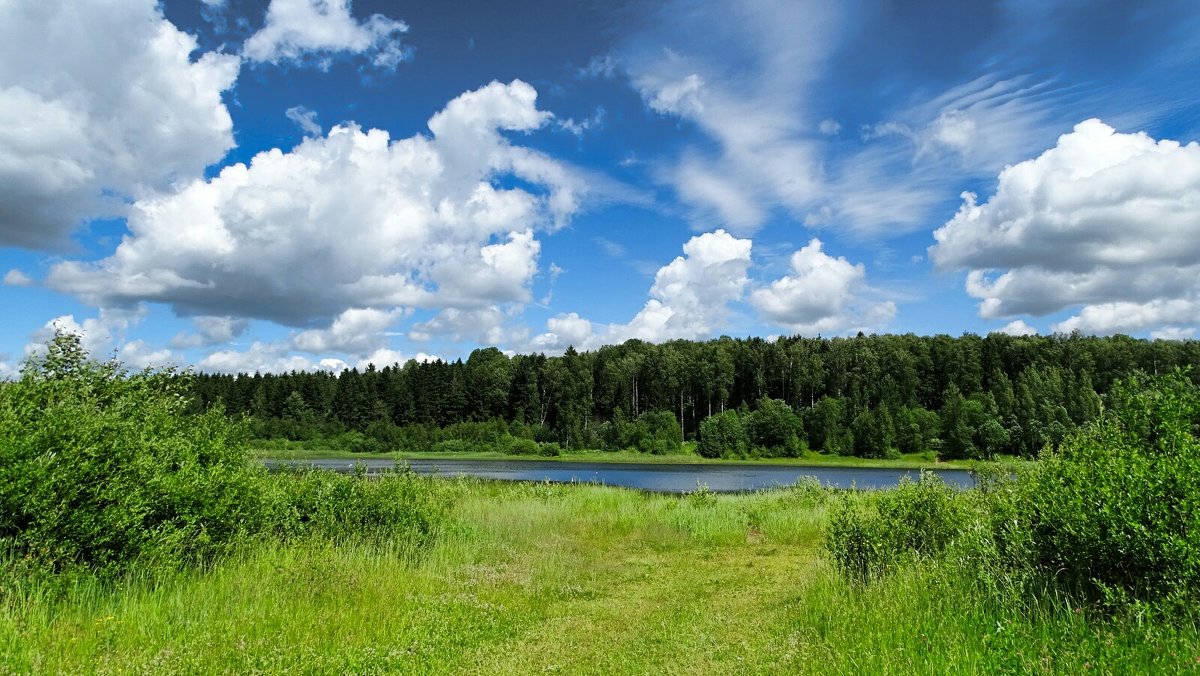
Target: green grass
{"type": "Point", "coordinates": [530, 578]}
{"type": "Point", "coordinates": [908, 461]}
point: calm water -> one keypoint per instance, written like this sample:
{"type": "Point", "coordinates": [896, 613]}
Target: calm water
{"type": "Point", "coordinates": [663, 478]}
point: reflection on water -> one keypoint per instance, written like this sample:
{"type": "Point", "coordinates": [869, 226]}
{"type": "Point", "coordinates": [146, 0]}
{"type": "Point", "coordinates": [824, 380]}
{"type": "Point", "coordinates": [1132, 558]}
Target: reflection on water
{"type": "Point", "coordinates": [662, 478]}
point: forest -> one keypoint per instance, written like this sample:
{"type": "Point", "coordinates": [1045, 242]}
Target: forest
{"type": "Point", "coordinates": [871, 396]}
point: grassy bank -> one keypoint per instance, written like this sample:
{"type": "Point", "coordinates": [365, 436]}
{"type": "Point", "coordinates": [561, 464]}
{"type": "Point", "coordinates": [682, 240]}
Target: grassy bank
{"type": "Point", "coordinates": [910, 461]}
{"type": "Point", "coordinates": [529, 578]}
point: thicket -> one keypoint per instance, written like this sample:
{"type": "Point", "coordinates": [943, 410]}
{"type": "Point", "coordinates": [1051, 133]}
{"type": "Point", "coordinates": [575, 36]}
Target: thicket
{"type": "Point", "coordinates": [105, 470]}
{"type": "Point", "coordinates": [964, 397]}
{"type": "Point", "coordinates": [1109, 520]}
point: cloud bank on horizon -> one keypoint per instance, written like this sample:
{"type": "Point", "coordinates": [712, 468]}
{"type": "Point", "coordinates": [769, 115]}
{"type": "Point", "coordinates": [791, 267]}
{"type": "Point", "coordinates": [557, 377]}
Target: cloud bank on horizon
{"type": "Point", "coordinates": [168, 189]}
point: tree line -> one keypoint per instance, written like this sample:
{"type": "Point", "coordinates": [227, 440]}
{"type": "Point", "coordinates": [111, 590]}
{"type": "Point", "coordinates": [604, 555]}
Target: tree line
{"type": "Point", "coordinates": [875, 396]}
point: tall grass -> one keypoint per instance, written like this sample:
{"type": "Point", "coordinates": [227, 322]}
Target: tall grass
{"type": "Point", "coordinates": [528, 578]}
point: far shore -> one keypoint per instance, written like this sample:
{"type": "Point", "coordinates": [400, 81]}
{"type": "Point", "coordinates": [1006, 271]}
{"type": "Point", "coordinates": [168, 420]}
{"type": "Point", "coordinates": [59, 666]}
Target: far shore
{"type": "Point", "coordinates": [911, 461]}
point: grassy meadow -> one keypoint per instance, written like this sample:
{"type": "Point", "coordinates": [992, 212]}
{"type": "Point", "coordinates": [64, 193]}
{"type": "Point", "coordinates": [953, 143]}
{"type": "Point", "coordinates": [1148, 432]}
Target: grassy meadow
{"type": "Point", "coordinates": [139, 537]}
{"type": "Point", "coordinates": [531, 578]}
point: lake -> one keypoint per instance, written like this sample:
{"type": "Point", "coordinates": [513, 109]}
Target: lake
{"type": "Point", "coordinates": [659, 478]}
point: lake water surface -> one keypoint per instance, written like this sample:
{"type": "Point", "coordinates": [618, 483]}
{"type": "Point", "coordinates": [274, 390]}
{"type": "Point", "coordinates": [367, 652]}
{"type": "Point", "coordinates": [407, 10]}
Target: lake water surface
{"type": "Point", "coordinates": [657, 477]}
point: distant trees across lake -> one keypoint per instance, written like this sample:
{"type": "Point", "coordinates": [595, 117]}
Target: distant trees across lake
{"type": "Point", "coordinates": [875, 396]}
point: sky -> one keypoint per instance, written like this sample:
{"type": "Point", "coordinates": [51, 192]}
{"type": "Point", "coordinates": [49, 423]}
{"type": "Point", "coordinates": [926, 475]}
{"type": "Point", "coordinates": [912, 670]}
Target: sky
{"type": "Point", "coordinates": [240, 186]}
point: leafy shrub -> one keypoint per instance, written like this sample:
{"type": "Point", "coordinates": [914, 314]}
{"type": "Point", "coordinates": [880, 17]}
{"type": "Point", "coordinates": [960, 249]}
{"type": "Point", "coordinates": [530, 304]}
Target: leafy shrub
{"type": "Point", "coordinates": [1111, 519]}
{"type": "Point", "coordinates": [103, 468]}
{"type": "Point", "coordinates": [550, 449]}
{"type": "Point", "coordinates": [916, 520]}
{"type": "Point", "coordinates": [774, 428]}
{"type": "Point", "coordinates": [1115, 513]}
{"type": "Point", "coordinates": [658, 433]}
{"type": "Point", "coordinates": [316, 503]}
{"type": "Point", "coordinates": [722, 435]}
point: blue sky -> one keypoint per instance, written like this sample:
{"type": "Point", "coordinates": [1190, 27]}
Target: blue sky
{"type": "Point", "coordinates": [240, 186]}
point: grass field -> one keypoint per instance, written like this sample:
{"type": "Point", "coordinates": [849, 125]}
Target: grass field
{"type": "Point", "coordinates": [530, 578]}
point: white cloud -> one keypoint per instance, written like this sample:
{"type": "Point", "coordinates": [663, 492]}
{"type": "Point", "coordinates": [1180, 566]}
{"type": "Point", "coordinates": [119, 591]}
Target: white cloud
{"type": "Point", "coordinates": [387, 357]}
{"type": "Point", "coordinates": [578, 129]}
{"type": "Point", "coordinates": [822, 295]}
{"type": "Point", "coordinates": [483, 325]}
{"type": "Point", "coordinates": [1174, 333]}
{"type": "Point", "coordinates": [1018, 327]}
{"type": "Point", "coordinates": [563, 331]}
{"type": "Point", "coordinates": [99, 335]}
{"type": "Point", "coordinates": [137, 354]}
{"type": "Point", "coordinates": [604, 66]}
{"type": "Point", "coordinates": [305, 119]}
{"type": "Point", "coordinates": [297, 30]}
{"type": "Point", "coordinates": [210, 331]}
{"type": "Point", "coordinates": [690, 295]}
{"type": "Point", "coordinates": [829, 127]}
{"type": "Point", "coordinates": [279, 357]}
{"type": "Point", "coordinates": [100, 103]}
{"type": "Point", "coordinates": [741, 74]}
{"type": "Point", "coordinates": [356, 331]}
{"type": "Point", "coordinates": [15, 277]}
{"type": "Point", "coordinates": [350, 220]}
{"type": "Point", "coordinates": [677, 97]}
{"type": "Point", "coordinates": [689, 299]}
{"type": "Point", "coordinates": [259, 357]}
{"type": "Point", "coordinates": [1104, 220]}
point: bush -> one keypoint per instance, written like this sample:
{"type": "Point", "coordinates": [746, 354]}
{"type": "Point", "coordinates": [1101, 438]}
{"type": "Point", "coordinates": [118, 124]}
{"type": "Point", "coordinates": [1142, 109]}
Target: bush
{"type": "Point", "coordinates": [102, 468]}
{"type": "Point", "coordinates": [522, 446]}
{"type": "Point", "coordinates": [1115, 513]}
{"type": "Point", "coordinates": [1111, 519]}
{"type": "Point", "coordinates": [315, 503]}
{"type": "Point", "coordinates": [658, 433]}
{"type": "Point", "coordinates": [722, 435]}
{"type": "Point", "coordinates": [916, 520]}
{"type": "Point", "coordinates": [774, 428]}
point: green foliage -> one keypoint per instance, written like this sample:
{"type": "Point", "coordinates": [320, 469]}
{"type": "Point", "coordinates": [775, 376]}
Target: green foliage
{"type": "Point", "coordinates": [774, 429]}
{"type": "Point", "coordinates": [874, 434]}
{"type": "Point", "coordinates": [723, 436]}
{"type": "Point", "coordinates": [916, 520]}
{"type": "Point", "coordinates": [1115, 513]}
{"type": "Point", "coordinates": [658, 433]}
{"type": "Point", "coordinates": [827, 425]}
{"type": "Point", "coordinates": [102, 468]}
{"type": "Point", "coordinates": [917, 430]}
{"type": "Point", "coordinates": [339, 507]}
{"type": "Point", "coordinates": [1111, 519]}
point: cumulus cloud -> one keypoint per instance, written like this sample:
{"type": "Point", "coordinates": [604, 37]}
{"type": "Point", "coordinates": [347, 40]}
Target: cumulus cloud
{"type": "Point", "coordinates": [210, 330]}
{"type": "Point", "coordinates": [259, 357]}
{"type": "Point", "coordinates": [280, 357]}
{"type": "Point", "coordinates": [1018, 327]}
{"type": "Point", "coordinates": [689, 299]}
{"type": "Point", "coordinates": [98, 335]}
{"type": "Point", "coordinates": [483, 325]}
{"type": "Point", "coordinates": [15, 277]}
{"type": "Point", "coordinates": [100, 103]}
{"type": "Point", "coordinates": [350, 220]}
{"type": "Point", "coordinates": [1104, 220]}
{"type": "Point", "coordinates": [315, 30]}
{"type": "Point", "coordinates": [822, 294]}
{"type": "Point", "coordinates": [356, 331]}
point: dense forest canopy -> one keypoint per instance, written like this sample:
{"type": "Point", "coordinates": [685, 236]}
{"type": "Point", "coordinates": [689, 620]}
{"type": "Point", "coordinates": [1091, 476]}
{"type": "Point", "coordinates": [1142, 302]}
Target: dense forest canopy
{"type": "Point", "coordinates": [874, 395]}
